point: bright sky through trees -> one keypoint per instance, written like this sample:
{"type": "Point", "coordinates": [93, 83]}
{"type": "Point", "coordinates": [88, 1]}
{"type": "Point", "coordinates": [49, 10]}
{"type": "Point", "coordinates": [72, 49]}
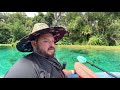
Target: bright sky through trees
{"type": "Point", "coordinates": [29, 14]}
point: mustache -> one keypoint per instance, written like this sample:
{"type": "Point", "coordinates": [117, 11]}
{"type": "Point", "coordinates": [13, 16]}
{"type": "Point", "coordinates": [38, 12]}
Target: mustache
{"type": "Point", "coordinates": [51, 48]}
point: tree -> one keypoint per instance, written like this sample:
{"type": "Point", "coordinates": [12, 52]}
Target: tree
{"type": "Point", "coordinates": [49, 18]}
{"type": "Point", "coordinates": [38, 18]}
{"type": "Point", "coordinates": [5, 33]}
{"type": "Point", "coordinates": [19, 24]}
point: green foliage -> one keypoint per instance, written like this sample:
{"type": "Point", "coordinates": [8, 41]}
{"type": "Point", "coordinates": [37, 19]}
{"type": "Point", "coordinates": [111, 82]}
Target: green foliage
{"type": "Point", "coordinates": [84, 28]}
{"type": "Point", "coordinates": [3, 16]}
{"type": "Point", "coordinates": [38, 18]}
{"type": "Point", "coordinates": [77, 42]}
{"type": "Point", "coordinates": [64, 41]}
{"type": "Point", "coordinates": [18, 31]}
{"type": "Point", "coordinates": [13, 44]}
{"type": "Point", "coordinates": [5, 33]}
{"type": "Point", "coordinates": [94, 40]}
{"type": "Point", "coordinates": [49, 17]}
{"type": "Point", "coordinates": [114, 27]}
{"type": "Point", "coordinates": [87, 30]}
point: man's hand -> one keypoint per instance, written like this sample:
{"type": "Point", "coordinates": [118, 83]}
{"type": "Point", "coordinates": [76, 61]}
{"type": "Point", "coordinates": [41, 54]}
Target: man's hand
{"type": "Point", "coordinates": [67, 72]}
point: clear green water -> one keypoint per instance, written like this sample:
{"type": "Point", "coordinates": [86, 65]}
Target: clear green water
{"type": "Point", "coordinates": [106, 59]}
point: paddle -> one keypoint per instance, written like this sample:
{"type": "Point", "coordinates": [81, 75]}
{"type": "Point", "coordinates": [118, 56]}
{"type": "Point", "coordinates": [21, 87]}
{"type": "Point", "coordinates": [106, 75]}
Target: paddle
{"type": "Point", "coordinates": [83, 60]}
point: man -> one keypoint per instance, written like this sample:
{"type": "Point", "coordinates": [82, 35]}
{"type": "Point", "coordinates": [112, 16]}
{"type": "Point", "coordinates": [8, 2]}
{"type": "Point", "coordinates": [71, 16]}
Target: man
{"type": "Point", "coordinates": [41, 63]}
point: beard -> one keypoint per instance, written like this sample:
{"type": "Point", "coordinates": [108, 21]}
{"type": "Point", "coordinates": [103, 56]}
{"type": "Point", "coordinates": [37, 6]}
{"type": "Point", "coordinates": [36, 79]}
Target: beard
{"type": "Point", "coordinates": [44, 53]}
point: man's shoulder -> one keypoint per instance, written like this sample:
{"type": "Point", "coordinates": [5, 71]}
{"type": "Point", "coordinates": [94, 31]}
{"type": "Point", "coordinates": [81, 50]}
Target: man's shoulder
{"type": "Point", "coordinates": [22, 68]}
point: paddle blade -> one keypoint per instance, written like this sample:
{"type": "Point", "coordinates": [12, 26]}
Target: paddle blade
{"type": "Point", "coordinates": [81, 59]}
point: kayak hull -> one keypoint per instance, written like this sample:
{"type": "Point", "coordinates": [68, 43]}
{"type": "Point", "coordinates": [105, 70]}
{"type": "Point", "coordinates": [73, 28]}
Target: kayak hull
{"type": "Point", "coordinates": [99, 74]}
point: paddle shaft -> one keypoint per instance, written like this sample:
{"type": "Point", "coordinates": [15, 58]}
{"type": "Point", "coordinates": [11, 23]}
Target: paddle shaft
{"type": "Point", "coordinates": [102, 69]}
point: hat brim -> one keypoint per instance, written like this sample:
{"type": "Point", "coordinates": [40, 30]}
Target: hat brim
{"type": "Point", "coordinates": [24, 45]}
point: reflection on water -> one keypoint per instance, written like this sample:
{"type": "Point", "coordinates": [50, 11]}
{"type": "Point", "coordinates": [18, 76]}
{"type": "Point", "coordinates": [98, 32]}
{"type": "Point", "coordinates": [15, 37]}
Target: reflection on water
{"type": "Point", "coordinates": [109, 60]}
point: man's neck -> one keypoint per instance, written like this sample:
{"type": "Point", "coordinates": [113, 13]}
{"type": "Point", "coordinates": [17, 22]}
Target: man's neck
{"type": "Point", "coordinates": [43, 55]}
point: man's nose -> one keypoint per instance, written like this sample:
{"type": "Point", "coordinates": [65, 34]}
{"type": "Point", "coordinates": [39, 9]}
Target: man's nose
{"type": "Point", "coordinates": [52, 44]}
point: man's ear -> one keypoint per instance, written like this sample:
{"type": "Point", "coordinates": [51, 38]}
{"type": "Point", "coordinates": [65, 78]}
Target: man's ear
{"type": "Point", "coordinates": [33, 43]}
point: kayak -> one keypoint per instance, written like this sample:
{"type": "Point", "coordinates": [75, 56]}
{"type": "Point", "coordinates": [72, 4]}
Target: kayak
{"type": "Point", "coordinates": [99, 74]}
{"type": "Point", "coordinates": [105, 75]}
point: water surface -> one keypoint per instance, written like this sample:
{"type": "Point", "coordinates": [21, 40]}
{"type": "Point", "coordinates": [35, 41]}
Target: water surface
{"type": "Point", "coordinates": [106, 59]}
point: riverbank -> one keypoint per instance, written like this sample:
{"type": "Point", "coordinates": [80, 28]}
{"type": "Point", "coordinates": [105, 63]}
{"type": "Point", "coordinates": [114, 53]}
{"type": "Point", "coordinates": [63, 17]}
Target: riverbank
{"type": "Point", "coordinates": [90, 47]}
{"type": "Point", "coordinates": [76, 47]}
{"type": "Point", "coordinates": [8, 45]}
{"type": "Point", "coordinates": [5, 45]}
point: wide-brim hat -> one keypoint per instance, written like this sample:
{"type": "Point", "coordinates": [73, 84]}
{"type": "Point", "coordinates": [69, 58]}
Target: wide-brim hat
{"type": "Point", "coordinates": [24, 45]}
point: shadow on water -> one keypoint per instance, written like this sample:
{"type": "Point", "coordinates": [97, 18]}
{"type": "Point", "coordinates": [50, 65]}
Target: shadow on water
{"type": "Point", "coordinates": [79, 51]}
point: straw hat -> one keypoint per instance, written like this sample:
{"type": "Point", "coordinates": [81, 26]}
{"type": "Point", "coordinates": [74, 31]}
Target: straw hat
{"type": "Point", "coordinates": [24, 45]}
